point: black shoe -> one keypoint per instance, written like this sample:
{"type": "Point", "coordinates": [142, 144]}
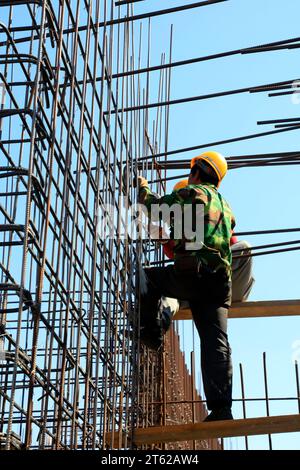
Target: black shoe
{"type": "Point", "coordinates": [221, 414]}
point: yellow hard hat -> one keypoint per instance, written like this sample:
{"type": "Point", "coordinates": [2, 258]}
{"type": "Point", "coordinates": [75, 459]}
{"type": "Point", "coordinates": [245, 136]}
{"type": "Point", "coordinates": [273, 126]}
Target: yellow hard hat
{"type": "Point", "coordinates": [215, 160]}
{"type": "Point", "coordinates": [180, 185]}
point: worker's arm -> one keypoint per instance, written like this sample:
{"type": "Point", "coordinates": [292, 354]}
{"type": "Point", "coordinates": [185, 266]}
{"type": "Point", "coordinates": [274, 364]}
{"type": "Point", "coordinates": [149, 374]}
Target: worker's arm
{"type": "Point", "coordinates": [158, 234]}
{"type": "Point", "coordinates": [147, 198]}
{"type": "Point", "coordinates": [233, 239]}
{"type": "Point", "coordinates": [168, 248]}
{"type": "Point", "coordinates": [233, 223]}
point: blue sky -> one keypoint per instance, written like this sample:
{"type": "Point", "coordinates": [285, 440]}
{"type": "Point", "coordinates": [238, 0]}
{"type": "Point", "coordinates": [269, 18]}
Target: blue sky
{"type": "Point", "coordinates": [262, 198]}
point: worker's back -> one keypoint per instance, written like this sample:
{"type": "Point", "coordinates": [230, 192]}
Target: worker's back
{"type": "Point", "coordinates": [218, 222]}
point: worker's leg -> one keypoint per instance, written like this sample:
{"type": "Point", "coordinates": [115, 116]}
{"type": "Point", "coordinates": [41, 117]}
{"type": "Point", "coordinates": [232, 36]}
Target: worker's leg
{"type": "Point", "coordinates": [211, 323]}
{"type": "Point", "coordinates": [155, 311]}
{"type": "Point", "coordinates": [151, 333]}
{"type": "Point", "coordinates": [242, 279]}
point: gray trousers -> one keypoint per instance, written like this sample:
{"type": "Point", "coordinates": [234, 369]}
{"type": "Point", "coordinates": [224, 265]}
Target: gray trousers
{"type": "Point", "coordinates": [242, 279]}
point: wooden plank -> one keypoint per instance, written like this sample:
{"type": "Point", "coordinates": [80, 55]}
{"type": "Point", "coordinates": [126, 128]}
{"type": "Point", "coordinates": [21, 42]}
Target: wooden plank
{"type": "Point", "coordinates": [271, 308]}
{"type": "Point", "coordinates": [217, 429]}
{"type": "Point", "coordinates": [119, 440]}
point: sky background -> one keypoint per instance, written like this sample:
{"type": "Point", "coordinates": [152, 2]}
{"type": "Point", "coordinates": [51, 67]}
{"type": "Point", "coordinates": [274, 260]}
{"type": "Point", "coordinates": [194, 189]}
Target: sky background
{"type": "Point", "coordinates": [261, 198]}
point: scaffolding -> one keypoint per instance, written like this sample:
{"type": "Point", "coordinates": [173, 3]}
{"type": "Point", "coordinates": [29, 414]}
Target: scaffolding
{"type": "Point", "coordinates": [78, 122]}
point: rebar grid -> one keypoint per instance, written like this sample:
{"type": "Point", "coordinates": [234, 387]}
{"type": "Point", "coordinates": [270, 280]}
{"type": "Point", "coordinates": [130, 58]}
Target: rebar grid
{"type": "Point", "coordinates": [71, 370]}
{"type": "Point", "coordinates": [68, 364]}
{"type": "Point", "coordinates": [80, 116]}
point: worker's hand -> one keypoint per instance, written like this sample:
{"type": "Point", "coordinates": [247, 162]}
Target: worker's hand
{"type": "Point", "coordinates": [142, 182]}
{"type": "Point", "coordinates": [158, 233]}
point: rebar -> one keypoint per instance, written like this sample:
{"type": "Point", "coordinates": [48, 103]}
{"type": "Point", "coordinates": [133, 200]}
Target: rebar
{"type": "Point", "coordinates": [81, 114]}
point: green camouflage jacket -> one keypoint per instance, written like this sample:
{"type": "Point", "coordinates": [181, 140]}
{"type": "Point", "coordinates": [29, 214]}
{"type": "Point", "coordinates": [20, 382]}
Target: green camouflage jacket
{"type": "Point", "coordinates": [218, 222]}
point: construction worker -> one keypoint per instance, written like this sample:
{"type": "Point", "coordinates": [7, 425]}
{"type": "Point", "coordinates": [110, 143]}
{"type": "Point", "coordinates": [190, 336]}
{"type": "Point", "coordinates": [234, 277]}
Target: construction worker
{"type": "Point", "coordinates": [242, 278]}
{"type": "Point", "coordinates": [202, 277]}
